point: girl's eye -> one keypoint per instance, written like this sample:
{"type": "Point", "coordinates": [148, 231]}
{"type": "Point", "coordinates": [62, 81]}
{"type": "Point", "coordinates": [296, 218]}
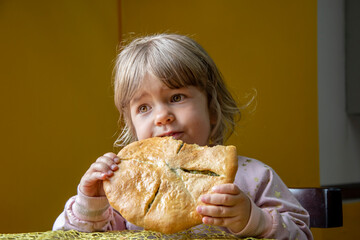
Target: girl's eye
{"type": "Point", "coordinates": [177, 98]}
{"type": "Point", "coordinates": [143, 108]}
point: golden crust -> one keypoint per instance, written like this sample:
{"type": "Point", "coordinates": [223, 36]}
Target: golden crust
{"type": "Point", "coordinates": [160, 180]}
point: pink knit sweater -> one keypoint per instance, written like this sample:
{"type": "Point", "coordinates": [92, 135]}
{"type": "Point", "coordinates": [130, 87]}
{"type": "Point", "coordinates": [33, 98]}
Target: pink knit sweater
{"type": "Point", "coordinates": [275, 213]}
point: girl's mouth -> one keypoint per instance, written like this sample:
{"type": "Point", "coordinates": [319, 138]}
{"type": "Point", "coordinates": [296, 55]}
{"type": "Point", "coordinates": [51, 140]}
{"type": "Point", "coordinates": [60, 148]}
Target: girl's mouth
{"type": "Point", "coordinates": [175, 135]}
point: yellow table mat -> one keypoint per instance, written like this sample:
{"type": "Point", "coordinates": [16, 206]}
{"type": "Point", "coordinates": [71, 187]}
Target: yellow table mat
{"type": "Point", "coordinates": [72, 234]}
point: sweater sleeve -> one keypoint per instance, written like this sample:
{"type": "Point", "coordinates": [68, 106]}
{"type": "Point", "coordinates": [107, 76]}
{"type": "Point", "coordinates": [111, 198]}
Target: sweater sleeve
{"type": "Point", "coordinates": [275, 212]}
{"type": "Point", "coordinates": [89, 214]}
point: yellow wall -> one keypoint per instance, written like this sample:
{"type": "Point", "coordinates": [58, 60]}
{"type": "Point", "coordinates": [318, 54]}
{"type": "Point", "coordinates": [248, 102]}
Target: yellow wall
{"type": "Point", "coordinates": [269, 46]}
{"type": "Point", "coordinates": [57, 111]}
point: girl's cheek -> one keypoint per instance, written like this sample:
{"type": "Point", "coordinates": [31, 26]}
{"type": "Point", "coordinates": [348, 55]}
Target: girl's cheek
{"type": "Point", "coordinates": [143, 131]}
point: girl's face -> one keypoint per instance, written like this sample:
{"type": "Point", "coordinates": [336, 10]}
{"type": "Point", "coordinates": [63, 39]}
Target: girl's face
{"type": "Point", "coordinates": [158, 111]}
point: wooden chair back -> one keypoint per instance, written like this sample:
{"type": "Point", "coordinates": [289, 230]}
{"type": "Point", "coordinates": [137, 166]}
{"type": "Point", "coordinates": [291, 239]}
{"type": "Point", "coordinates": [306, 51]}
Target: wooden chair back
{"type": "Point", "coordinates": [323, 204]}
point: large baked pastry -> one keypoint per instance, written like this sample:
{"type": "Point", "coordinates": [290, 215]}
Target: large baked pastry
{"type": "Point", "coordinates": [160, 180]}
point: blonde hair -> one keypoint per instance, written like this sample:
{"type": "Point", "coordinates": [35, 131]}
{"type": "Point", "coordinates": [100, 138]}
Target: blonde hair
{"type": "Point", "coordinates": [178, 61]}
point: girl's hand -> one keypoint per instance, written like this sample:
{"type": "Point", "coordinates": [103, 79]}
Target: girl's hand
{"type": "Point", "coordinates": [91, 183]}
{"type": "Point", "coordinates": [227, 206]}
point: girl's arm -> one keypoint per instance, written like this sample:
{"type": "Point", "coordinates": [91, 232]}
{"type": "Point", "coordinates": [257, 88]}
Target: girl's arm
{"type": "Point", "coordinates": [275, 211]}
{"type": "Point", "coordinates": [90, 211]}
{"type": "Point", "coordinates": [89, 214]}
{"type": "Point", "coordinates": [258, 204]}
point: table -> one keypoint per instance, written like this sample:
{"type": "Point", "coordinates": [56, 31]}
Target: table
{"type": "Point", "coordinates": [72, 234]}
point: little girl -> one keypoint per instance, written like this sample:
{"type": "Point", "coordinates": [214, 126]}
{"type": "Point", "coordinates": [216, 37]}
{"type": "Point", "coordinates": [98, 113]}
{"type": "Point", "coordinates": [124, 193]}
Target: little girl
{"type": "Point", "coordinates": [167, 85]}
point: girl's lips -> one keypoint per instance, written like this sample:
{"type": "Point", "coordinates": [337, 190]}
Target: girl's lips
{"type": "Point", "coordinates": [176, 135]}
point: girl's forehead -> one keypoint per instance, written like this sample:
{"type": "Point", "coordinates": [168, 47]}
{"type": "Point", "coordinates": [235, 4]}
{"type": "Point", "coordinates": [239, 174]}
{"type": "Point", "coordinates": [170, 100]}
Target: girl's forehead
{"type": "Point", "coordinates": [150, 80]}
{"type": "Point", "coordinates": [149, 76]}
{"type": "Point", "coordinates": [145, 85]}
{"type": "Point", "coordinates": [151, 83]}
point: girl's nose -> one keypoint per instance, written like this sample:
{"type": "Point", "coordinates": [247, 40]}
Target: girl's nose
{"type": "Point", "coordinates": [164, 116]}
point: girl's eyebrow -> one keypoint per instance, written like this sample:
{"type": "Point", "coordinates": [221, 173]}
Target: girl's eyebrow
{"type": "Point", "coordinates": [137, 98]}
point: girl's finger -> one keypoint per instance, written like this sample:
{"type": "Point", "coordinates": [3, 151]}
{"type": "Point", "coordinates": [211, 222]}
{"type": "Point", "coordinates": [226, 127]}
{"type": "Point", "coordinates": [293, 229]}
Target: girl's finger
{"type": "Point", "coordinates": [220, 199]}
{"type": "Point", "coordinates": [102, 168]}
{"type": "Point", "coordinates": [223, 222]}
{"type": "Point", "coordinates": [112, 156]}
{"type": "Point", "coordinates": [90, 179]}
{"type": "Point", "coordinates": [108, 162]}
{"type": "Point", "coordinates": [228, 188]}
{"type": "Point", "coordinates": [216, 211]}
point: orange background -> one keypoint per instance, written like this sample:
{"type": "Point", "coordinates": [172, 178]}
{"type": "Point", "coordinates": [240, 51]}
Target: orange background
{"type": "Point", "coordinates": [56, 101]}
{"type": "Point", "coordinates": [269, 47]}
{"type": "Point", "coordinates": [56, 98]}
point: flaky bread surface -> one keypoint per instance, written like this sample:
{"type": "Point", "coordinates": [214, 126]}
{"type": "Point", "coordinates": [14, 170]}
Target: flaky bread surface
{"type": "Point", "coordinates": [160, 180]}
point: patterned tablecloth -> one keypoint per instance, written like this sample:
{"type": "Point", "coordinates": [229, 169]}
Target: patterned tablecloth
{"type": "Point", "coordinates": [117, 235]}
